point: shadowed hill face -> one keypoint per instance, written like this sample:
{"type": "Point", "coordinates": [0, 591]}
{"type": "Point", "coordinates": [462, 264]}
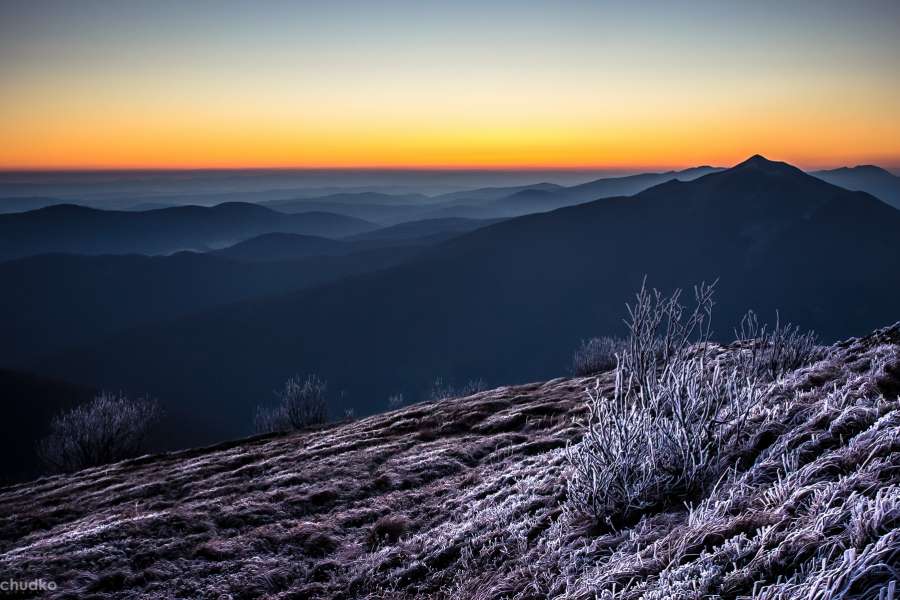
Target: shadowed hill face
{"type": "Point", "coordinates": [465, 497]}
{"type": "Point", "coordinates": [76, 229]}
{"type": "Point", "coordinates": [107, 294]}
{"type": "Point", "coordinates": [284, 246]}
{"type": "Point", "coordinates": [29, 403]}
{"type": "Point", "coordinates": [868, 178]}
{"type": "Point", "coordinates": [542, 200]}
{"type": "Point", "coordinates": [509, 302]}
{"type": "Point", "coordinates": [424, 228]}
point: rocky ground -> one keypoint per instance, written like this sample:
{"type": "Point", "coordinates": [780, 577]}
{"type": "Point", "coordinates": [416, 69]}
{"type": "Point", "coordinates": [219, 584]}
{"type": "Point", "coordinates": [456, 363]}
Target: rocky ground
{"type": "Point", "coordinates": [466, 498]}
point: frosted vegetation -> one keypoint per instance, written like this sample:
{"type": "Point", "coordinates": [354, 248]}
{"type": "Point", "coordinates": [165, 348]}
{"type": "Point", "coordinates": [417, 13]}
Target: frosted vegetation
{"type": "Point", "coordinates": [301, 403]}
{"type": "Point", "coordinates": [110, 428]}
{"type": "Point", "coordinates": [596, 355]}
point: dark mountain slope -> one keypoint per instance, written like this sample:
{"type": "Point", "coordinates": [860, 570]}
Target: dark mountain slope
{"type": "Point", "coordinates": [494, 193]}
{"type": "Point", "coordinates": [284, 246]}
{"type": "Point", "coordinates": [19, 204]}
{"type": "Point", "coordinates": [867, 178]}
{"type": "Point", "coordinates": [54, 302]}
{"type": "Point", "coordinates": [77, 229]}
{"type": "Point", "coordinates": [384, 214]}
{"type": "Point", "coordinates": [465, 498]}
{"type": "Point", "coordinates": [376, 198]}
{"type": "Point", "coordinates": [541, 200]}
{"type": "Point", "coordinates": [29, 402]}
{"type": "Point", "coordinates": [510, 301]}
{"type": "Point", "coordinates": [423, 229]}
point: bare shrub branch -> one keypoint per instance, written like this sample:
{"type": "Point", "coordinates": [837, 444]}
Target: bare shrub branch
{"type": "Point", "coordinates": [301, 403]}
{"type": "Point", "coordinates": [441, 390]}
{"type": "Point", "coordinates": [771, 354]}
{"type": "Point", "coordinates": [110, 428]}
{"type": "Point", "coordinates": [659, 329]}
{"type": "Point", "coordinates": [597, 355]}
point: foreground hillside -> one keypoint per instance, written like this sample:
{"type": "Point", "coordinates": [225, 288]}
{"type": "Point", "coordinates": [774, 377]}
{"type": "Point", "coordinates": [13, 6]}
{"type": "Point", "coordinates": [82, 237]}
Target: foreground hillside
{"type": "Point", "coordinates": [466, 498]}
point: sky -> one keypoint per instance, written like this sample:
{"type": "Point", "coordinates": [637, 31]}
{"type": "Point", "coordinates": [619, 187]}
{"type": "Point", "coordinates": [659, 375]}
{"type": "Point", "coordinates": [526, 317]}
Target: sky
{"type": "Point", "coordinates": [462, 84]}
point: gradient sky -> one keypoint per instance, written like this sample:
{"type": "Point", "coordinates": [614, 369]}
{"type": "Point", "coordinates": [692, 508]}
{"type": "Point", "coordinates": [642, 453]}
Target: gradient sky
{"type": "Point", "coordinates": [466, 83]}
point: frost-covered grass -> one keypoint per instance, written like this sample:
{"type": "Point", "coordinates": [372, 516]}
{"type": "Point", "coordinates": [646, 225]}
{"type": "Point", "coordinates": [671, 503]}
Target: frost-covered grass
{"type": "Point", "coordinates": [476, 509]}
{"type": "Point", "coordinates": [597, 355]}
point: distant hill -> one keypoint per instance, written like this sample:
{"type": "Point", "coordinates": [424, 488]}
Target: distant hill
{"type": "Point", "coordinates": [482, 203]}
{"type": "Point", "coordinates": [424, 229]}
{"type": "Point", "coordinates": [494, 193]}
{"type": "Point", "coordinates": [53, 302]}
{"type": "Point", "coordinates": [867, 178]}
{"type": "Point", "coordinates": [77, 229]}
{"type": "Point", "coordinates": [358, 198]}
{"type": "Point", "coordinates": [25, 203]}
{"type": "Point", "coordinates": [383, 214]}
{"type": "Point", "coordinates": [284, 246]}
{"type": "Point", "coordinates": [289, 246]}
{"type": "Point", "coordinates": [370, 206]}
{"type": "Point", "coordinates": [542, 200]}
{"type": "Point", "coordinates": [509, 302]}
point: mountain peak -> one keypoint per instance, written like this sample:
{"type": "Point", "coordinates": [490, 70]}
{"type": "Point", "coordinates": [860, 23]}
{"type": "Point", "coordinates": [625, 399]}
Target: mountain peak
{"type": "Point", "coordinates": [758, 162]}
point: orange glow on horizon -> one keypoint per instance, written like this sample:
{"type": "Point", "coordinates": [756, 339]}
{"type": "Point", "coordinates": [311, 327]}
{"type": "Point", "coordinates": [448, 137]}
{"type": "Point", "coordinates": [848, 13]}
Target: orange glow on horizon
{"type": "Point", "coordinates": [404, 85]}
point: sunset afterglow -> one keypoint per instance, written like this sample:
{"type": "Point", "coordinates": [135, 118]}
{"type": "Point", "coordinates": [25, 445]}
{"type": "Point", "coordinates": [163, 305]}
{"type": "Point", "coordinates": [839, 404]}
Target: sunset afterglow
{"type": "Point", "coordinates": [409, 84]}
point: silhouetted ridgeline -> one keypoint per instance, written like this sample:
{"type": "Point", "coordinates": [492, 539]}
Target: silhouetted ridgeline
{"type": "Point", "coordinates": [868, 178]}
{"type": "Point", "coordinates": [77, 229]}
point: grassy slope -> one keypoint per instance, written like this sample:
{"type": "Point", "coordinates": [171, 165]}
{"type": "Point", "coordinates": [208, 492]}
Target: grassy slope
{"type": "Point", "coordinates": [475, 487]}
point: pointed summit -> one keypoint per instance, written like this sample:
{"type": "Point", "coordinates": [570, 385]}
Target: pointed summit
{"type": "Point", "coordinates": [758, 162]}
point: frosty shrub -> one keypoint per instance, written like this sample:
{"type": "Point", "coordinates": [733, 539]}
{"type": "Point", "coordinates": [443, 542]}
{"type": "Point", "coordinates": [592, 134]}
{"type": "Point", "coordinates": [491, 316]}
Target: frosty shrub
{"type": "Point", "coordinates": [660, 329]}
{"type": "Point", "coordinates": [441, 390]}
{"type": "Point", "coordinates": [665, 432]}
{"type": "Point", "coordinates": [597, 355]}
{"type": "Point", "coordinates": [110, 428]}
{"type": "Point", "coordinates": [395, 401]}
{"type": "Point", "coordinates": [301, 403]}
{"type": "Point", "coordinates": [646, 448]}
{"type": "Point", "coordinates": [770, 354]}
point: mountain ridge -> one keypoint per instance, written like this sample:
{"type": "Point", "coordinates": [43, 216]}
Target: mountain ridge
{"type": "Point", "coordinates": [795, 244]}
{"type": "Point", "coordinates": [71, 228]}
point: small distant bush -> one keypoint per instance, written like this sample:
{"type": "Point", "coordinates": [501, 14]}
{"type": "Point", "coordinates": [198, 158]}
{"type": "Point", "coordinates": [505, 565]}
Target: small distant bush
{"type": "Point", "coordinates": [441, 390]}
{"type": "Point", "coordinates": [110, 428]}
{"type": "Point", "coordinates": [301, 403]}
{"type": "Point", "coordinates": [395, 401]}
{"type": "Point", "coordinates": [772, 353]}
{"type": "Point", "coordinates": [597, 355]}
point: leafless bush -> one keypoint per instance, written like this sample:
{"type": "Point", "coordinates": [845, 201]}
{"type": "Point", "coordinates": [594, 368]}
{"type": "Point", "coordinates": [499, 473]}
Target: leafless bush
{"type": "Point", "coordinates": [665, 433]}
{"type": "Point", "coordinates": [597, 355]}
{"type": "Point", "coordinates": [660, 330]}
{"type": "Point", "coordinates": [770, 354]}
{"type": "Point", "coordinates": [301, 403]}
{"type": "Point", "coordinates": [441, 390]}
{"type": "Point", "coordinates": [395, 401]}
{"type": "Point", "coordinates": [110, 428]}
{"type": "Point", "coordinates": [647, 448]}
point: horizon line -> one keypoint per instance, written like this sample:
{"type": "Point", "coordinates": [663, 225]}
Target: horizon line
{"type": "Point", "coordinates": [449, 168]}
